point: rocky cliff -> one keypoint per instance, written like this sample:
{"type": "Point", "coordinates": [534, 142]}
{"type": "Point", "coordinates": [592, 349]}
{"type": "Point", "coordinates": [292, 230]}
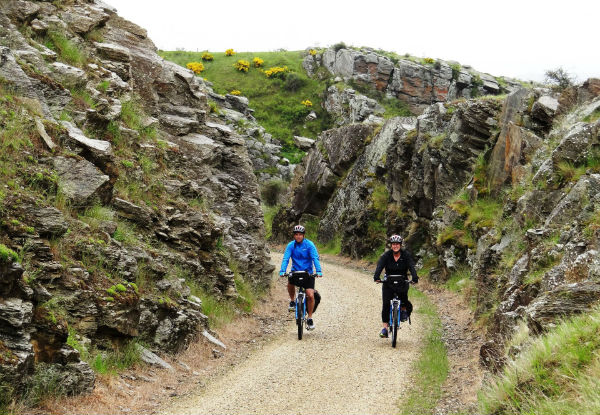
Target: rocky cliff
{"type": "Point", "coordinates": [124, 195]}
{"type": "Point", "coordinates": [498, 195]}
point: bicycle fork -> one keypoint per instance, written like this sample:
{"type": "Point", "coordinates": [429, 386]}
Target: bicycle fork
{"type": "Point", "coordinates": [300, 311]}
{"type": "Point", "coordinates": [394, 304]}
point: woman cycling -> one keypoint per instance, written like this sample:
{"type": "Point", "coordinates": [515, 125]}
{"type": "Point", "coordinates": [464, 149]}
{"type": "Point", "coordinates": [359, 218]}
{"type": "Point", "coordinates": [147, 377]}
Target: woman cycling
{"type": "Point", "coordinates": [396, 261]}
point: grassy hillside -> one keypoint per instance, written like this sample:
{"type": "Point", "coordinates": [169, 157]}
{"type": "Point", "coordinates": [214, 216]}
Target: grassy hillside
{"type": "Point", "coordinates": [277, 101]}
{"type": "Point", "coordinates": [557, 374]}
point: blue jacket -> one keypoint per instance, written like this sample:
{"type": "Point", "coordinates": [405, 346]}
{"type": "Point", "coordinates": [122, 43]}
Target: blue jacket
{"type": "Point", "coordinates": [303, 255]}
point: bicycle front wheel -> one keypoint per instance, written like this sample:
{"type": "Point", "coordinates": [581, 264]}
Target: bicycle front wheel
{"type": "Point", "coordinates": [300, 327]}
{"type": "Point", "coordinates": [395, 319]}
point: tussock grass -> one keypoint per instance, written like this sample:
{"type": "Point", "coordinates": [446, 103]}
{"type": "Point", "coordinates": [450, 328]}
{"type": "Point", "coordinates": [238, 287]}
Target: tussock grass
{"type": "Point", "coordinates": [66, 49]}
{"type": "Point", "coordinates": [432, 366]}
{"type": "Point", "coordinates": [559, 373]}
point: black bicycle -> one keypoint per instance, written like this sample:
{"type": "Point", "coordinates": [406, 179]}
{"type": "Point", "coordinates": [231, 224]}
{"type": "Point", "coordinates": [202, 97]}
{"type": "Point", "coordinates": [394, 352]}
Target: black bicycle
{"type": "Point", "coordinates": [297, 278]}
{"type": "Point", "coordinates": [399, 283]}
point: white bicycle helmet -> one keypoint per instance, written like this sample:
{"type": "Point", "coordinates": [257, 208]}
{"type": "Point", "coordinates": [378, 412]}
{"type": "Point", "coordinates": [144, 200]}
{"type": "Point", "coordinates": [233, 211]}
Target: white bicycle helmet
{"type": "Point", "coordinates": [396, 239]}
{"type": "Point", "coordinates": [299, 228]}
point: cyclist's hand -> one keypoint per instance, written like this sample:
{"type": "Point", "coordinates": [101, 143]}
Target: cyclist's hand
{"type": "Point", "coordinates": [319, 274]}
{"type": "Point", "coordinates": [282, 274]}
{"type": "Point", "coordinates": [377, 280]}
{"type": "Point", "coordinates": [414, 281]}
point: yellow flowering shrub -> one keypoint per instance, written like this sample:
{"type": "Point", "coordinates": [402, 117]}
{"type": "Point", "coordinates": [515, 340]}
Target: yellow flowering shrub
{"type": "Point", "coordinates": [242, 65]}
{"type": "Point", "coordinates": [229, 52]}
{"type": "Point", "coordinates": [428, 61]}
{"type": "Point", "coordinates": [312, 52]}
{"type": "Point", "coordinates": [197, 67]}
{"type": "Point", "coordinates": [236, 92]}
{"type": "Point", "coordinates": [207, 56]}
{"type": "Point", "coordinates": [307, 103]}
{"type": "Point", "coordinates": [277, 72]}
{"type": "Point", "coordinates": [258, 62]}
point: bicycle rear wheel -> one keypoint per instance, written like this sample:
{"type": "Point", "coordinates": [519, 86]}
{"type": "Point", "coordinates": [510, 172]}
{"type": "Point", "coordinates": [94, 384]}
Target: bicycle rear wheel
{"type": "Point", "coordinates": [394, 327]}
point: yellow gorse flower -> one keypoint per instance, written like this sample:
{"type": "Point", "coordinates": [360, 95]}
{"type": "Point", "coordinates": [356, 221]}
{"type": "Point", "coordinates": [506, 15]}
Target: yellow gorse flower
{"type": "Point", "coordinates": [242, 65]}
{"type": "Point", "coordinates": [276, 71]}
{"type": "Point", "coordinates": [236, 92]}
{"type": "Point", "coordinates": [197, 67]}
{"type": "Point", "coordinates": [307, 103]}
{"type": "Point", "coordinates": [229, 52]}
{"type": "Point", "coordinates": [312, 52]}
{"type": "Point", "coordinates": [258, 62]}
{"type": "Point", "coordinates": [207, 56]}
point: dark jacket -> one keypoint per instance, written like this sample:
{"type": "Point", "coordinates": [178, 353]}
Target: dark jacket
{"type": "Point", "coordinates": [401, 267]}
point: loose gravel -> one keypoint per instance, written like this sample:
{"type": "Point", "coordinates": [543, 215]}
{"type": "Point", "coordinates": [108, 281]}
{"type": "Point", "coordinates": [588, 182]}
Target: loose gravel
{"type": "Point", "coordinates": [342, 367]}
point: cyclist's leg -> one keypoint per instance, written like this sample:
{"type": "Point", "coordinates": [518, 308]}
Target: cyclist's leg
{"type": "Point", "coordinates": [386, 295]}
{"type": "Point", "coordinates": [309, 285]}
{"type": "Point", "coordinates": [291, 291]}
{"type": "Point", "coordinates": [405, 303]}
{"type": "Point", "coordinates": [310, 301]}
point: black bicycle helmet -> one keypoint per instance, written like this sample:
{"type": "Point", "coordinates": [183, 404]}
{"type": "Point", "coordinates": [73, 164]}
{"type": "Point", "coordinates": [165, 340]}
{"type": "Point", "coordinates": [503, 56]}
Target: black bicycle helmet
{"type": "Point", "coordinates": [396, 239]}
{"type": "Point", "coordinates": [299, 228]}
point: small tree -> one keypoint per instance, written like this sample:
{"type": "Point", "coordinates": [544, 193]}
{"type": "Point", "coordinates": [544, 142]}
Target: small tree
{"type": "Point", "coordinates": [559, 78]}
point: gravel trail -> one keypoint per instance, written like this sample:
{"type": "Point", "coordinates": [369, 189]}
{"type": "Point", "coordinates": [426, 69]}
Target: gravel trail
{"type": "Point", "coordinates": [342, 367]}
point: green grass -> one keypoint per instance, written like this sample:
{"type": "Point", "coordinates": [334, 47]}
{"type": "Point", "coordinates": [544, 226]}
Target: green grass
{"type": "Point", "coordinates": [559, 373]}
{"type": "Point", "coordinates": [431, 369]}
{"type": "Point", "coordinates": [113, 361]}
{"type": "Point", "coordinates": [333, 247]}
{"type": "Point", "coordinates": [269, 213]}
{"type": "Point", "coordinates": [277, 109]}
{"type": "Point", "coordinates": [593, 117]}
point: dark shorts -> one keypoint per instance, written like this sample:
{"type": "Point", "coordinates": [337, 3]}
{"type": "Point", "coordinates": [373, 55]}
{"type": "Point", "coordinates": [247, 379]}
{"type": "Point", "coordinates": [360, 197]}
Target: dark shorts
{"type": "Point", "coordinates": [302, 279]}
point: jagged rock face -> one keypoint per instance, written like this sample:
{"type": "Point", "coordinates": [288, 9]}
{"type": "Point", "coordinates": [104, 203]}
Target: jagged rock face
{"type": "Point", "coordinates": [318, 175]}
{"type": "Point", "coordinates": [417, 84]}
{"type": "Point", "coordinates": [350, 210]}
{"type": "Point", "coordinates": [350, 107]}
{"type": "Point", "coordinates": [208, 195]}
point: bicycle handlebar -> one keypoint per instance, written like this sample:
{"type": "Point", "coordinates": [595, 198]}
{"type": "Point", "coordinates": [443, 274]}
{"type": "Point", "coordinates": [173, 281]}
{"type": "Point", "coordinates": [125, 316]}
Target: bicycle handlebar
{"type": "Point", "coordinates": [385, 278]}
{"type": "Point", "coordinates": [289, 275]}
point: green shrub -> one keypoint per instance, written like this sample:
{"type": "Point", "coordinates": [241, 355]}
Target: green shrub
{"type": "Point", "coordinates": [456, 68]}
{"type": "Point", "coordinates": [294, 82]}
{"type": "Point", "coordinates": [339, 46]}
{"type": "Point", "coordinates": [271, 192]}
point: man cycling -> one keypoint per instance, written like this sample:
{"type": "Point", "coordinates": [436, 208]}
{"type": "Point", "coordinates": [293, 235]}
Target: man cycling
{"type": "Point", "coordinates": [396, 261]}
{"type": "Point", "coordinates": [303, 253]}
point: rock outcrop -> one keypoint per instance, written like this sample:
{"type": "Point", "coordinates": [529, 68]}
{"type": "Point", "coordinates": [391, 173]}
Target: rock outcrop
{"type": "Point", "coordinates": [132, 194]}
{"type": "Point", "coordinates": [416, 82]}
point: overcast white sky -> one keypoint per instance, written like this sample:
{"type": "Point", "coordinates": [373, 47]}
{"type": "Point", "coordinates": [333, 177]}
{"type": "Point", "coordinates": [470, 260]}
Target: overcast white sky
{"type": "Point", "coordinates": [518, 38]}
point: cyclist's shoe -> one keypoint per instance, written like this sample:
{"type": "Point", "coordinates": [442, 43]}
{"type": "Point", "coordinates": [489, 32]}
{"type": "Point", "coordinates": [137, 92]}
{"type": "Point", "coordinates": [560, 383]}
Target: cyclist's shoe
{"type": "Point", "coordinates": [403, 315]}
{"type": "Point", "coordinates": [309, 324]}
{"type": "Point", "coordinates": [383, 333]}
{"type": "Point", "coordinates": [292, 306]}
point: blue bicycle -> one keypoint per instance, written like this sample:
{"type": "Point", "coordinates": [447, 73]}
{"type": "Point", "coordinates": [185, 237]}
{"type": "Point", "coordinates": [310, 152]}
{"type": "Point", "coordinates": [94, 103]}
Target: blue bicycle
{"type": "Point", "coordinates": [296, 278]}
{"type": "Point", "coordinates": [398, 283]}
